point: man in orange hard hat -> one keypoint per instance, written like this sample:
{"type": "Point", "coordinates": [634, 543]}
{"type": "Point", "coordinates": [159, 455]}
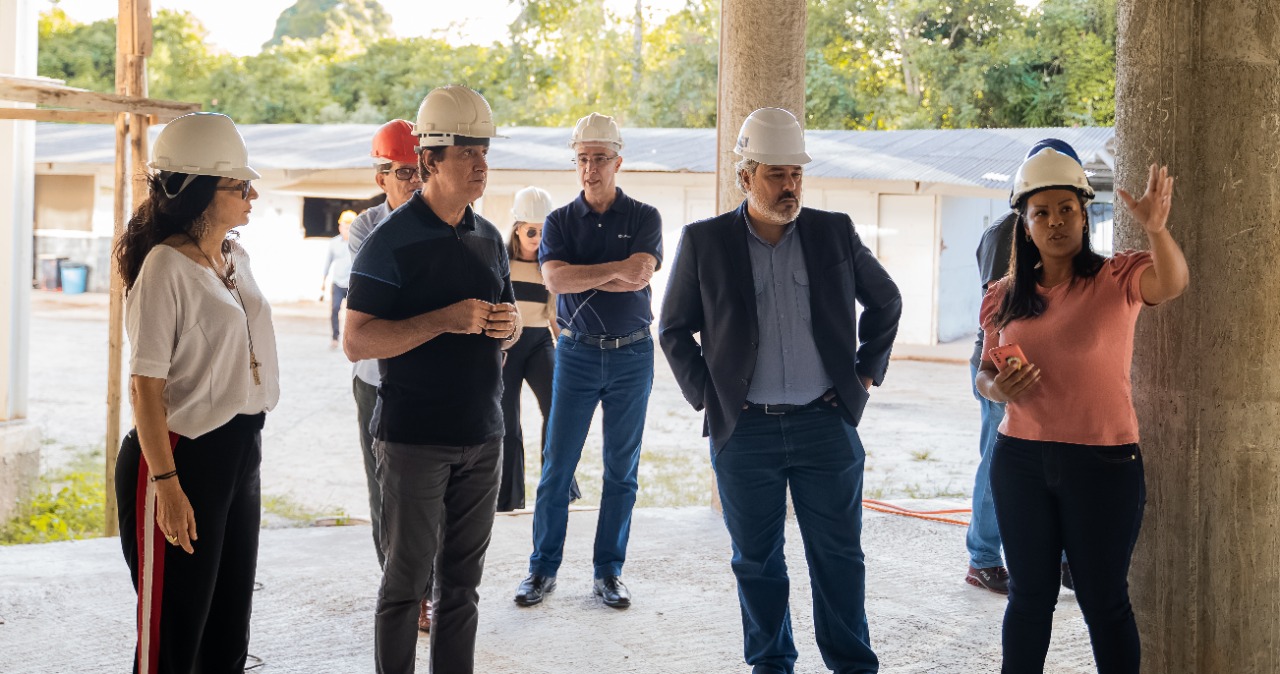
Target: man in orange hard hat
{"type": "Point", "coordinates": [396, 172]}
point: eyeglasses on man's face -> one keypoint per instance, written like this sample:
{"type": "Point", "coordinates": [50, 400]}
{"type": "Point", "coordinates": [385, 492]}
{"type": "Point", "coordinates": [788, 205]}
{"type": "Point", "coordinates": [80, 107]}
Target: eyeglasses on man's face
{"type": "Point", "coordinates": [243, 188]}
{"type": "Point", "coordinates": [405, 173]}
{"type": "Point", "coordinates": [533, 232]}
{"type": "Point", "coordinates": [595, 160]}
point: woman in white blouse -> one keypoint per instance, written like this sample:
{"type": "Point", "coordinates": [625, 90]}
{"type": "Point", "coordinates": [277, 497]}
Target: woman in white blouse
{"type": "Point", "coordinates": [203, 375]}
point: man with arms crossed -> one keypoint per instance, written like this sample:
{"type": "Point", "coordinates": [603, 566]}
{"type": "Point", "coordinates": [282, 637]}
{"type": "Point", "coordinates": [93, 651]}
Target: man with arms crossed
{"type": "Point", "coordinates": [598, 254]}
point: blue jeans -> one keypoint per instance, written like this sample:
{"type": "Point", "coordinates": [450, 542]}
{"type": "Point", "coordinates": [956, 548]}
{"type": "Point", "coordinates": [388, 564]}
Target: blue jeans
{"type": "Point", "coordinates": [821, 458]}
{"type": "Point", "coordinates": [983, 539]}
{"type": "Point", "coordinates": [1088, 501]}
{"type": "Point", "coordinates": [619, 381]}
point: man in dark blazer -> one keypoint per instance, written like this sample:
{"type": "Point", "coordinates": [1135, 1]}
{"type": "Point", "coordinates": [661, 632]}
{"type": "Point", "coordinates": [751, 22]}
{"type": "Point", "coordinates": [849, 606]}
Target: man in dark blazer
{"type": "Point", "coordinates": [781, 367]}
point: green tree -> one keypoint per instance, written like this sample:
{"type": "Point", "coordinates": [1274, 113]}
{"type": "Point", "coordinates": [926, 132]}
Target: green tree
{"type": "Point", "coordinates": [680, 69]}
{"type": "Point", "coordinates": [352, 22]}
{"type": "Point", "coordinates": [83, 55]}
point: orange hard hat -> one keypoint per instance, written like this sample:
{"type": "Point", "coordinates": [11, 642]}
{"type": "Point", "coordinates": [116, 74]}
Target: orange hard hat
{"type": "Point", "coordinates": [395, 141]}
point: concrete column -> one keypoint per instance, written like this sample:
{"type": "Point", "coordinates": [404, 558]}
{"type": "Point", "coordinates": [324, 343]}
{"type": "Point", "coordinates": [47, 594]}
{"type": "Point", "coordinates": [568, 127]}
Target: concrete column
{"type": "Point", "coordinates": [19, 441]}
{"type": "Point", "coordinates": [761, 65]}
{"type": "Point", "coordinates": [1198, 87]}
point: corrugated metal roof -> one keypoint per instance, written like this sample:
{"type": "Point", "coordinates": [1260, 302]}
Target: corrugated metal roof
{"type": "Point", "coordinates": [969, 157]}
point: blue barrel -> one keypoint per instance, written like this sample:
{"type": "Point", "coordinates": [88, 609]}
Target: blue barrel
{"type": "Point", "coordinates": [75, 277]}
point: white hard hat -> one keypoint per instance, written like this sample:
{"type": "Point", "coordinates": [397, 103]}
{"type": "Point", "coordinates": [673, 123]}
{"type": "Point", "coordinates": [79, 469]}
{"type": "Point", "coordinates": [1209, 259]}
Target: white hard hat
{"type": "Point", "coordinates": [772, 136]}
{"type": "Point", "coordinates": [454, 115]}
{"type": "Point", "coordinates": [532, 204]}
{"type": "Point", "coordinates": [1047, 168]}
{"type": "Point", "coordinates": [597, 128]}
{"type": "Point", "coordinates": [202, 144]}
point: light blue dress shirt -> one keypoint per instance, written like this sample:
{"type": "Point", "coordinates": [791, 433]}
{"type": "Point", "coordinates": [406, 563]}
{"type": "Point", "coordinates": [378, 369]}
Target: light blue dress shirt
{"type": "Point", "coordinates": [788, 367]}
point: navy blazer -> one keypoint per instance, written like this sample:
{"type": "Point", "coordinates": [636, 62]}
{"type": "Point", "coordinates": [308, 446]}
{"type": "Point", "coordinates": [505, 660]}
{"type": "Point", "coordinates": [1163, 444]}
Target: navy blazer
{"type": "Point", "coordinates": [711, 293]}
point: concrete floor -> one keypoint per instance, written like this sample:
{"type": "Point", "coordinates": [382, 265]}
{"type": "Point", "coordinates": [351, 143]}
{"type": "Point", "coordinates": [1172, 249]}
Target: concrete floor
{"type": "Point", "coordinates": [68, 607]}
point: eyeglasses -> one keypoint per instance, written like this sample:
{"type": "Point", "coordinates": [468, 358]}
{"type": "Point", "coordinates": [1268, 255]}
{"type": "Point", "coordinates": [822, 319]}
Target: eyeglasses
{"type": "Point", "coordinates": [595, 160]}
{"type": "Point", "coordinates": [243, 188]}
{"type": "Point", "coordinates": [406, 173]}
{"type": "Point", "coordinates": [532, 232]}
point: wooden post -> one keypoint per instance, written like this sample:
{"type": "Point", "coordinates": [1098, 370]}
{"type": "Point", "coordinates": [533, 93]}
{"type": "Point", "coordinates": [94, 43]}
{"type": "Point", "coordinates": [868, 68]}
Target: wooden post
{"type": "Point", "coordinates": [133, 46]}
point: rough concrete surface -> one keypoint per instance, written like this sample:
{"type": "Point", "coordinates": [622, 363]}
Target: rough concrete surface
{"type": "Point", "coordinates": [68, 607]}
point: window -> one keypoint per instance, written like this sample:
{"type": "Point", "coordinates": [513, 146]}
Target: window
{"type": "Point", "coordinates": [320, 216]}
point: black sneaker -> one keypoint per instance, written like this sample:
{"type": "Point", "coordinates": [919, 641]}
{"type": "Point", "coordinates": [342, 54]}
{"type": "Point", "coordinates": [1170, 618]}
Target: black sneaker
{"type": "Point", "coordinates": [1067, 581]}
{"type": "Point", "coordinates": [994, 578]}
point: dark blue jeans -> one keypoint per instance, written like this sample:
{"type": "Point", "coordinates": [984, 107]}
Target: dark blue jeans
{"type": "Point", "coordinates": [983, 539]}
{"type": "Point", "coordinates": [619, 381]}
{"type": "Point", "coordinates": [1088, 501]}
{"type": "Point", "coordinates": [337, 295]}
{"type": "Point", "coordinates": [821, 458]}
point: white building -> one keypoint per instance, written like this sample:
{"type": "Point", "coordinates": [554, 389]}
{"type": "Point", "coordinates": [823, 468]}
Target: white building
{"type": "Point", "coordinates": [920, 199]}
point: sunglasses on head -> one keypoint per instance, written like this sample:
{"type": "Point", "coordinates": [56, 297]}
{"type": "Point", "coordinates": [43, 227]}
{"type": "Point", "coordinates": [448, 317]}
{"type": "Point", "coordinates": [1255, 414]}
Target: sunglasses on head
{"type": "Point", "coordinates": [243, 188]}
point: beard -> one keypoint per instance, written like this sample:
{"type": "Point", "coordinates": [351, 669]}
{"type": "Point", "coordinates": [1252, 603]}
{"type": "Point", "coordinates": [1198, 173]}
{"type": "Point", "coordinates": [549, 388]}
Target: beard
{"type": "Point", "coordinates": [777, 212]}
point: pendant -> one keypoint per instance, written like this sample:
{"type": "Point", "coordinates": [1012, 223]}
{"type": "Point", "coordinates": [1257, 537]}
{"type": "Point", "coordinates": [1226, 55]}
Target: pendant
{"type": "Point", "coordinates": [253, 367]}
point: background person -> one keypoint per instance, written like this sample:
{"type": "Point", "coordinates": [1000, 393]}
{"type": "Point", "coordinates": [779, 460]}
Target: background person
{"type": "Point", "coordinates": [203, 374]}
{"type": "Point", "coordinates": [395, 162]}
{"type": "Point", "coordinates": [982, 540]}
{"type": "Point", "coordinates": [533, 357]}
{"type": "Point", "coordinates": [337, 272]}
{"type": "Point", "coordinates": [782, 370]}
{"type": "Point", "coordinates": [1067, 469]}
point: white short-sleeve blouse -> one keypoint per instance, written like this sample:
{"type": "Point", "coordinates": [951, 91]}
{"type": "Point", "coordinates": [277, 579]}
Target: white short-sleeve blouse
{"type": "Point", "coordinates": [185, 327]}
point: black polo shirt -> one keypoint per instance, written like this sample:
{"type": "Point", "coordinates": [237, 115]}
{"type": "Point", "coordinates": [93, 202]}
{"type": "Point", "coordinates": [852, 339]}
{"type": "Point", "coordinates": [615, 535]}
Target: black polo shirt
{"type": "Point", "coordinates": [448, 390]}
{"type": "Point", "coordinates": [577, 235]}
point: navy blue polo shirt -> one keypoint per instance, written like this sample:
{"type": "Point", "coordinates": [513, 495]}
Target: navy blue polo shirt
{"type": "Point", "coordinates": [448, 390]}
{"type": "Point", "coordinates": [577, 235]}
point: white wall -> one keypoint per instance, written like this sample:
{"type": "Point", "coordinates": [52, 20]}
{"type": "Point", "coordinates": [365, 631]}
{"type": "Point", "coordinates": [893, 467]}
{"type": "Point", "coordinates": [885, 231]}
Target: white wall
{"type": "Point", "coordinates": [909, 251]}
{"type": "Point", "coordinates": [962, 222]}
{"type": "Point", "coordinates": [17, 204]}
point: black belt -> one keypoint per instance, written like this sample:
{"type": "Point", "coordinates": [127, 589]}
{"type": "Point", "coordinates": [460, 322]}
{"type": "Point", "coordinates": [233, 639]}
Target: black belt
{"type": "Point", "coordinates": [784, 408]}
{"type": "Point", "coordinates": [605, 341]}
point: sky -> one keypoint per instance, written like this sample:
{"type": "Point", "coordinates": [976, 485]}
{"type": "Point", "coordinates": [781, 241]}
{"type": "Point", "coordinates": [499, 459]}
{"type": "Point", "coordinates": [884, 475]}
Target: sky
{"type": "Point", "coordinates": [241, 26]}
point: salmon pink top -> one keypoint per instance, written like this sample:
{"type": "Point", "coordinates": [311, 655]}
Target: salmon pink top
{"type": "Point", "coordinates": [1083, 345]}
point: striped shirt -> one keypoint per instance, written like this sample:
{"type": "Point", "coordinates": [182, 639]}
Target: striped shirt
{"type": "Point", "coordinates": [537, 304]}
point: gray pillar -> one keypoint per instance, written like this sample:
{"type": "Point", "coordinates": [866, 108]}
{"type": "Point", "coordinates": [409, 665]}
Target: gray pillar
{"type": "Point", "coordinates": [761, 66]}
{"type": "Point", "coordinates": [19, 441]}
{"type": "Point", "coordinates": [1198, 87]}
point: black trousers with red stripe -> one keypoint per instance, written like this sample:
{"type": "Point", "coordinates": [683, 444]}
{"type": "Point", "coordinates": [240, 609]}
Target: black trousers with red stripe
{"type": "Point", "coordinates": [193, 610]}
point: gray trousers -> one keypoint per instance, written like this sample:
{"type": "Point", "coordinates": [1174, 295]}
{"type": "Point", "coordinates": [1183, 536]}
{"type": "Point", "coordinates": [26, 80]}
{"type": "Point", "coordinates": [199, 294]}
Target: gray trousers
{"type": "Point", "coordinates": [437, 506]}
{"type": "Point", "coordinates": [366, 396]}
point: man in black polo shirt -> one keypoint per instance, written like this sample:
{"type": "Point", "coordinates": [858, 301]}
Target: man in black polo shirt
{"type": "Point", "coordinates": [598, 254]}
{"type": "Point", "coordinates": [431, 299]}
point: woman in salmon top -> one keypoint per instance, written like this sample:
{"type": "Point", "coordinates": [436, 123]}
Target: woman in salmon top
{"type": "Point", "coordinates": [1067, 470]}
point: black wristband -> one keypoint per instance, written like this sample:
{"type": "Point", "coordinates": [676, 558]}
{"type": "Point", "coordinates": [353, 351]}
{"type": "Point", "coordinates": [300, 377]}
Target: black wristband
{"type": "Point", "coordinates": [164, 476]}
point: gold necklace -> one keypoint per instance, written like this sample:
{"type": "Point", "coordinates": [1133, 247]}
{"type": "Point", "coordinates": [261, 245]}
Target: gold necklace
{"type": "Point", "coordinates": [229, 280]}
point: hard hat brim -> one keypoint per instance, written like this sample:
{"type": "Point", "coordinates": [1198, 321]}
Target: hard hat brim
{"type": "Point", "coordinates": [242, 173]}
{"type": "Point", "coordinates": [799, 158]}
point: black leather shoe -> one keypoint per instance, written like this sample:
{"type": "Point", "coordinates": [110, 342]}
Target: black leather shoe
{"type": "Point", "coordinates": [613, 592]}
{"type": "Point", "coordinates": [534, 588]}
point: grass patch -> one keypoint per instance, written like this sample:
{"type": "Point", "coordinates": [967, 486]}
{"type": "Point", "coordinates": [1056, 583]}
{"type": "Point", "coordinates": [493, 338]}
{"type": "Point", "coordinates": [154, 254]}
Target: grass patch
{"type": "Point", "coordinates": [68, 504]}
{"type": "Point", "coordinates": [282, 511]}
{"type": "Point", "coordinates": [921, 455]}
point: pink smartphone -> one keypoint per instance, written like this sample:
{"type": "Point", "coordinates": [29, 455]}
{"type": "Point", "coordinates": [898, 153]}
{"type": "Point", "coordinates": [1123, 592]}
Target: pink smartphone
{"type": "Point", "coordinates": [1007, 356]}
